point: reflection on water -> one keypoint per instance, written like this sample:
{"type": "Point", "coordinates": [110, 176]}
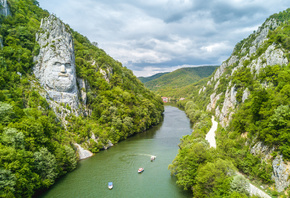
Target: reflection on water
{"type": "Point", "coordinates": [120, 163]}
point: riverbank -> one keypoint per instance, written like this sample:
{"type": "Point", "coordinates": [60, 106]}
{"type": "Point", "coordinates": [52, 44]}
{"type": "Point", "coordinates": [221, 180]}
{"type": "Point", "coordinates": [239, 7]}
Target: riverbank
{"type": "Point", "coordinates": [120, 163]}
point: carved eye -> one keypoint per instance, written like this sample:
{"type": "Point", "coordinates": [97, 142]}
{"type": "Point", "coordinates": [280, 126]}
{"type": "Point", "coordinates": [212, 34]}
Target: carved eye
{"type": "Point", "coordinates": [67, 65]}
{"type": "Point", "coordinates": [57, 63]}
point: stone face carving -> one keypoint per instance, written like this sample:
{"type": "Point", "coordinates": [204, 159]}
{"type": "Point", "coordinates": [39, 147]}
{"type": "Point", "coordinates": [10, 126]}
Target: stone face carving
{"type": "Point", "coordinates": [55, 64]}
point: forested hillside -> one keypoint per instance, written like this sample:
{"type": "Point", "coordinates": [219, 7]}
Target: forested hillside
{"type": "Point", "coordinates": [249, 97]}
{"type": "Point", "coordinates": [147, 79]}
{"type": "Point", "coordinates": [36, 146]}
{"type": "Point", "coordinates": [173, 83]}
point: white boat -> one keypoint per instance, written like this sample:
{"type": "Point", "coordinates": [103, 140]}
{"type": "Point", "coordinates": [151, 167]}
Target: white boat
{"type": "Point", "coordinates": [153, 158]}
{"type": "Point", "coordinates": [110, 185]}
{"type": "Point", "coordinates": [140, 170]}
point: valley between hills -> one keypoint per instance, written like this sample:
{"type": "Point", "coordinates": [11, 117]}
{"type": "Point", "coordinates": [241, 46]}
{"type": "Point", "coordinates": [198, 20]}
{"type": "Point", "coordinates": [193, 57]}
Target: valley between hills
{"type": "Point", "coordinates": [64, 102]}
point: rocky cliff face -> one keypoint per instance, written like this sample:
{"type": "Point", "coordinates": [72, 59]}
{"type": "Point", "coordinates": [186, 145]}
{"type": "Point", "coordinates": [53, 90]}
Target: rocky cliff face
{"type": "Point", "coordinates": [55, 63]}
{"type": "Point", "coordinates": [273, 54]}
{"type": "Point", "coordinates": [281, 173]}
{"type": "Point", "coordinates": [4, 8]}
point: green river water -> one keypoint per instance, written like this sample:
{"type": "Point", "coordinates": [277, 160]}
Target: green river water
{"type": "Point", "coordinates": [120, 163]}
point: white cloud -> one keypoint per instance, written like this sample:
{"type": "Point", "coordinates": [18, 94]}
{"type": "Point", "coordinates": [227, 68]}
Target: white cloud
{"type": "Point", "coordinates": [215, 47]}
{"type": "Point", "coordinates": [160, 34]}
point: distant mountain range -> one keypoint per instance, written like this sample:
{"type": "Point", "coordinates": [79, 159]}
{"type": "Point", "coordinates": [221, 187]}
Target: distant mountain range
{"type": "Point", "coordinates": [170, 84]}
{"type": "Point", "coordinates": [147, 79]}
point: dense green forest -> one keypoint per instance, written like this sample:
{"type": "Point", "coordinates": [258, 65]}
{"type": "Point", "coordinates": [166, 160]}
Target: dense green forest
{"type": "Point", "coordinates": [174, 84]}
{"type": "Point", "coordinates": [35, 147]}
{"type": "Point", "coordinates": [263, 117]}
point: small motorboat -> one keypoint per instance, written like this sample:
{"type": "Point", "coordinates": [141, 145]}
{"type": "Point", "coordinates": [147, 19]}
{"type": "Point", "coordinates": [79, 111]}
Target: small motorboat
{"type": "Point", "coordinates": [153, 158]}
{"type": "Point", "coordinates": [110, 185]}
{"type": "Point", "coordinates": [140, 170]}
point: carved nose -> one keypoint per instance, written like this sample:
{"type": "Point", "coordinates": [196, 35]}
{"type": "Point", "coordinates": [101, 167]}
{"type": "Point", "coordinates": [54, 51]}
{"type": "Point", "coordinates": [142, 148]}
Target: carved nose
{"type": "Point", "coordinates": [62, 69]}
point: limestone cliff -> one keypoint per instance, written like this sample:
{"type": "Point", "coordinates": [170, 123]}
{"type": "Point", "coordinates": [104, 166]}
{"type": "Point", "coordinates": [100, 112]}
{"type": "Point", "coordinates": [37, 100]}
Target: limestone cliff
{"type": "Point", "coordinates": [55, 69]}
{"type": "Point", "coordinates": [274, 55]}
{"type": "Point", "coordinates": [4, 8]}
{"type": "Point", "coordinates": [55, 63]}
{"type": "Point", "coordinates": [253, 53]}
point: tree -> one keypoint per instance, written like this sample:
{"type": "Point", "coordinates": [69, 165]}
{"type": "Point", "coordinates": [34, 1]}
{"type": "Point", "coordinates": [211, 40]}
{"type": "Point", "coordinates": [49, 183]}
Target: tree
{"type": "Point", "coordinates": [7, 183]}
{"type": "Point", "coordinates": [45, 165]}
{"type": "Point", "coordinates": [240, 184]}
{"type": "Point", "coordinates": [214, 178]}
{"type": "Point", "coordinates": [6, 112]}
{"type": "Point", "coordinates": [12, 137]}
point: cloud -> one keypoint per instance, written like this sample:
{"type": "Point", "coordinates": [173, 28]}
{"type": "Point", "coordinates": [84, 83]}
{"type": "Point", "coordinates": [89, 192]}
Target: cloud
{"type": "Point", "coordinates": [158, 35]}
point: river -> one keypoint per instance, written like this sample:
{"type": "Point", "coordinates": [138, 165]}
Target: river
{"type": "Point", "coordinates": [120, 163]}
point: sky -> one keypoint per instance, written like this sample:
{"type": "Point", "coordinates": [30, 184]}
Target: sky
{"type": "Point", "coordinates": [154, 36]}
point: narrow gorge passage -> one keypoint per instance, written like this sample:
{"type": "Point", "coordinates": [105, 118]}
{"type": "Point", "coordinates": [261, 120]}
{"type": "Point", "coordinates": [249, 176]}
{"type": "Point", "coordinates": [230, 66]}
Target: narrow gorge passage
{"type": "Point", "coordinates": [120, 163]}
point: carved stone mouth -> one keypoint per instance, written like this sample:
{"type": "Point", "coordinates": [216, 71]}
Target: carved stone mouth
{"type": "Point", "coordinates": [62, 74]}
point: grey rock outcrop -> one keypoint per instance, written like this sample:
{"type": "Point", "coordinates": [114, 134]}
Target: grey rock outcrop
{"type": "Point", "coordinates": [213, 99]}
{"type": "Point", "coordinates": [55, 63]}
{"type": "Point", "coordinates": [83, 90]}
{"type": "Point", "coordinates": [217, 85]}
{"type": "Point", "coordinates": [261, 35]}
{"type": "Point", "coordinates": [228, 106]}
{"type": "Point", "coordinates": [202, 89]}
{"type": "Point", "coordinates": [219, 72]}
{"type": "Point", "coordinates": [281, 173]}
{"type": "Point", "coordinates": [83, 153]}
{"type": "Point", "coordinates": [272, 56]}
{"type": "Point", "coordinates": [107, 73]}
{"type": "Point", "coordinates": [264, 151]}
{"type": "Point", "coordinates": [263, 31]}
{"type": "Point", "coordinates": [4, 8]}
{"type": "Point", "coordinates": [246, 94]}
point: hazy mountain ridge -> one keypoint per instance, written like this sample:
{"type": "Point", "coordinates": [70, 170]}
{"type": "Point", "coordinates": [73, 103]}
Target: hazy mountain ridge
{"type": "Point", "coordinates": [147, 79]}
{"type": "Point", "coordinates": [171, 84]}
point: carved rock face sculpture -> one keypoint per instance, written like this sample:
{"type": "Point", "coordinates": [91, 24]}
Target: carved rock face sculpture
{"type": "Point", "coordinates": [55, 64]}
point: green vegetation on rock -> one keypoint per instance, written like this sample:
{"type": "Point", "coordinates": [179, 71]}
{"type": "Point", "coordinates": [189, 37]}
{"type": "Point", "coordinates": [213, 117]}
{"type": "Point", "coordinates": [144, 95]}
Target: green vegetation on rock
{"type": "Point", "coordinates": [35, 147]}
{"type": "Point", "coordinates": [261, 117]}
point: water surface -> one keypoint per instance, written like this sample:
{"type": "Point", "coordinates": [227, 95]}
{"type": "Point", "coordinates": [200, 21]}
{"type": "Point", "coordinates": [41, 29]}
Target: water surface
{"type": "Point", "coordinates": [120, 163]}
